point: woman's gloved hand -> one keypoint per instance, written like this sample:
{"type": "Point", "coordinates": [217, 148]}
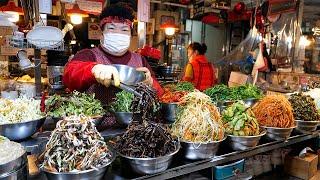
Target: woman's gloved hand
{"type": "Point", "coordinates": [104, 74]}
{"type": "Point", "coordinates": [149, 80]}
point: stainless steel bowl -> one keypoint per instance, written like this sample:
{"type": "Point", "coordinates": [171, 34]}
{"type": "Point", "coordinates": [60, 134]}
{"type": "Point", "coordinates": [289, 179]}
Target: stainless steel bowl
{"type": "Point", "coordinates": [244, 142]}
{"type": "Point", "coordinates": [306, 126]}
{"type": "Point", "coordinates": [20, 131]}
{"type": "Point", "coordinates": [97, 120]}
{"type": "Point", "coordinates": [123, 118]}
{"type": "Point", "coordinates": [169, 111]}
{"type": "Point", "coordinates": [92, 174]}
{"type": "Point", "coordinates": [250, 102]}
{"type": "Point", "coordinates": [222, 108]}
{"type": "Point", "coordinates": [170, 71]}
{"type": "Point", "coordinates": [225, 103]}
{"type": "Point", "coordinates": [150, 165]}
{"type": "Point", "coordinates": [278, 134]}
{"type": "Point", "coordinates": [14, 165]}
{"type": "Point", "coordinates": [129, 75]}
{"type": "Point", "coordinates": [196, 151]}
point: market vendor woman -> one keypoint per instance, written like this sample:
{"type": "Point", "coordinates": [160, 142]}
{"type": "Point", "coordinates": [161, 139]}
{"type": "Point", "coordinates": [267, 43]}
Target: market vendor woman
{"type": "Point", "coordinates": [199, 70]}
{"type": "Point", "coordinates": [91, 70]}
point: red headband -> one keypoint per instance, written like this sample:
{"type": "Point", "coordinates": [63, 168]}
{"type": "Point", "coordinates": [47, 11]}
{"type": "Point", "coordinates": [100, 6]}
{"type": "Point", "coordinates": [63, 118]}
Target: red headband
{"type": "Point", "coordinates": [114, 19]}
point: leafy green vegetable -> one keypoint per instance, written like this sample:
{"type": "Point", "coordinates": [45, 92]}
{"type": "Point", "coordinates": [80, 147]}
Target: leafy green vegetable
{"type": "Point", "coordinates": [123, 102]}
{"type": "Point", "coordinates": [218, 93]}
{"type": "Point", "coordinates": [224, 93]}
{"type": "Point", "coordinates": [76, 104]}
{"type": "Point", "coordinates": [184, 86]}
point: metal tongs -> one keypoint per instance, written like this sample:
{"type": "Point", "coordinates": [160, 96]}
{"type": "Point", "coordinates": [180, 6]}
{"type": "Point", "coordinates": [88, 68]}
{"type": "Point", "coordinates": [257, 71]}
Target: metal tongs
{"type": "Point", "coordinates": [129, 89]}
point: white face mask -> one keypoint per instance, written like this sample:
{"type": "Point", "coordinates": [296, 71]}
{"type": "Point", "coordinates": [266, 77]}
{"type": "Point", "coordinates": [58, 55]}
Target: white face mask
{"type": "Point", "coordinates": [115, 43]}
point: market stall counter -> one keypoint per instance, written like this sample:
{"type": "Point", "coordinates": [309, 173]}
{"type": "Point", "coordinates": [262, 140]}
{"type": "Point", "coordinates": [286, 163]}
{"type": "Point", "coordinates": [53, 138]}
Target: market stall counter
{"type": "Point", "coordinates": [181, 166]}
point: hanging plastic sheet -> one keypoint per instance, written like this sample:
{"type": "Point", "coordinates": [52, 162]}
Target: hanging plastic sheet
{"type": "Point", "coordinates": [284, 29]}
{"type": "Point", "coordinates": [243, 56]}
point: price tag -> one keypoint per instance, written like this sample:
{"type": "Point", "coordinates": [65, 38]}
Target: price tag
{"type": "Point", "coordinates": [11, 51]}
{"type": "Point", "coordinates": [5, 30]}
{"type": "Point", "coordinates": [45, 6]}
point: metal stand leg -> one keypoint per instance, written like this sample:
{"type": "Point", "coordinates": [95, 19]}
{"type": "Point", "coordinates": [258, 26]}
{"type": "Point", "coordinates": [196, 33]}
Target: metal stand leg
{"type": "Point", "coordinates": [37, 71]}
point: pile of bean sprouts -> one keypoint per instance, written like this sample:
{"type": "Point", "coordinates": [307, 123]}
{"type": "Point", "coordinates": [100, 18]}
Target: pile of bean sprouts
{"type": "Point", "coordinates": [198, 119]}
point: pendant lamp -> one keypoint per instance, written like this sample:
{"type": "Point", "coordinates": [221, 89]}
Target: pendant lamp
{"type": "Point", "coordinates": [12, 10]}
{"type": "Point", "coordinates": [76, 14]}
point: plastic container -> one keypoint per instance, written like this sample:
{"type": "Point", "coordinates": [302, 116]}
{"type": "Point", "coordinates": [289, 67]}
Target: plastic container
{"type": "Point", "coordinates": [229, 170]}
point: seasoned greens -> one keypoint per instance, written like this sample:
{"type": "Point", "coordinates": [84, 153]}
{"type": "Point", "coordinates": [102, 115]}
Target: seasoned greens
{"type": "Point", "coordinates": [224, 93]}
{"type": "Point", "coordinates": [304, 107]}
{"type": "Point", "coordinates": [123, 102]}
{"type": "Point", "coordinates": [184, 86]}
{"type": "Point", "coordinates": [77, 103]}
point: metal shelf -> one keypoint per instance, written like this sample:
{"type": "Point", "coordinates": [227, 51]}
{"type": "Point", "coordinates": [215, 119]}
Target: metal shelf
{"type": "Point", "coordinates": [23, 43]}
{"type": "Point", "coordinates": [218, 160]}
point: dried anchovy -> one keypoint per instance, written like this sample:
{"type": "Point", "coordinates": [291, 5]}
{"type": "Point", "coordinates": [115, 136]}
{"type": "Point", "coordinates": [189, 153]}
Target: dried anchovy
{"type": "Point", "coordinates": [75, 144]}
{"type": "Point", "coordinates": [145, 108]}
{"type": "Point", "coordinates": [146, 140]}
{"type": "Point", "coordinates": [304, 107]}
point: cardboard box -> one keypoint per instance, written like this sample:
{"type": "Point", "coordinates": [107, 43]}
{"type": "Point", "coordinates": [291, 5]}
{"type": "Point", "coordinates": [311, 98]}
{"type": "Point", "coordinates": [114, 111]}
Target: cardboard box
{"type": "Point", "coordinates": [304, 168]}
{"type": "Point", "coordinates": [237, 79]}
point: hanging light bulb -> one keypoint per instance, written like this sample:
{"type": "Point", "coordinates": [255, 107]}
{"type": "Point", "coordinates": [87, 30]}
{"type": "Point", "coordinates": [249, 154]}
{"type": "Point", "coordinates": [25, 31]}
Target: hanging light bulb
{"type": "Point", "coordinates": [76, 18]}
{"type": "Point", "coordinates": [76, 14]}
{"type": "Point", "coordinates": [169, 28]}
{"type": "Point", "coordinates": [304, 41]}
{"type": "Point", "coordinates": [12, 11]}
{"type": "Point", "coordinates": [170, 31]}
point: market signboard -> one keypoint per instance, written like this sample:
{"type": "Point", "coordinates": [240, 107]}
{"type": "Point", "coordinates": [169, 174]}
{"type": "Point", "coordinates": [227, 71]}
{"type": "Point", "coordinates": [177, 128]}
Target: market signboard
{"type": "Point", "coordinates": [90, 6]}
{"type": "Point", "coordinates": [201, 7]}
{"type": "Point", "coordinates": [94, 32]}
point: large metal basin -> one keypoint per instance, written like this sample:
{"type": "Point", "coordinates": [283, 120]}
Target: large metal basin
{"type": "Point", "coordinates": [19, 174]}
{"type": "Point", "coordinates": [278, 134]}
{"type": "Point", "coordinates": [14, 165]}
{"type": "Point", "coordinates": [169, 111]}
{"type": "Point", "coordinates": [196, 151]}
{"type": "Point", "coordinates": [92, 174]}
{"type": "Point", "coordinates": [306, 126]}
{"type": "Point", "coordinates": [20, 131]}
{"type": "Point", "coordinates": [150, 165]}
{"type": "Point", "coordinates": [240, 143]}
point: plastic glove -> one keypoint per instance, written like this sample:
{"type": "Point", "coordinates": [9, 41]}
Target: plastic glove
{"type": "Point", "coordinates": [149, 79]}
{"type": "Point", "coordinates": [104, 74]}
